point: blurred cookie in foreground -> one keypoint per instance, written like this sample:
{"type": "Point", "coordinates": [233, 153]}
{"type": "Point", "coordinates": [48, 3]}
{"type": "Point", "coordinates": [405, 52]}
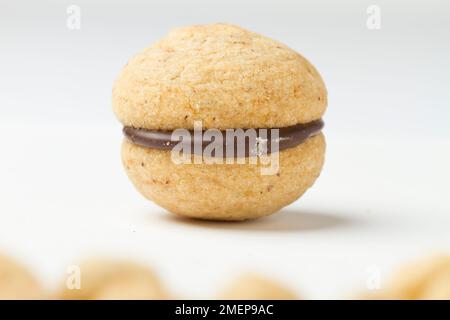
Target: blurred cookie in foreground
{"type": "Point", "coordinates": [422, 279]}
{"type": "Point", "coordinates": [16, 283]}
{"type": "Point", "coordinates": [439, 287]}
{"type": "Point", "coordinates": [115, 280]}
{"type": "Point", "coordinates": [255, 287]}
{"type": "Point", "coordinates": [427, 278]}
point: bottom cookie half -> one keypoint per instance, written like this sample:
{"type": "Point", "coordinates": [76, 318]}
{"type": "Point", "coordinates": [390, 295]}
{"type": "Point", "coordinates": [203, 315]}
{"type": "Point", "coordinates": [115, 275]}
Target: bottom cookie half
{"type": "Point", "coordinates": [224, 191]}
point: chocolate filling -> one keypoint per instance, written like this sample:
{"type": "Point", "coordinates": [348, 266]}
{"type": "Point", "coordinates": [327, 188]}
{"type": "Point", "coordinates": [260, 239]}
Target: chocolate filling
{"type": "Point", "coordinates": [287, 137]}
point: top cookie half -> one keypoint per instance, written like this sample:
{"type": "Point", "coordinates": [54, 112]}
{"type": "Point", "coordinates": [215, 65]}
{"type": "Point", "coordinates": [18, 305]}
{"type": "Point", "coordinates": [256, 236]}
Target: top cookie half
{"type": "Point", "coordinates": [222, 75]}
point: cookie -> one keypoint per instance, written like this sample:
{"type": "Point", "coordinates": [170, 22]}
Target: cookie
{"type": "Point", "coordinates": [17, 283]}
{"type": "Point", "coordinates": [224, 79]}
{"type": "Point", "coordinates": [421, 279]}
{"type": "Point", "coordinates": [438, 288]}
{"type": "Point", "coordinates": [117, 280]}
{"type": "Point", "coordinates": [255, 287]}
{"type": "Point", "coordinates": [427, 278]}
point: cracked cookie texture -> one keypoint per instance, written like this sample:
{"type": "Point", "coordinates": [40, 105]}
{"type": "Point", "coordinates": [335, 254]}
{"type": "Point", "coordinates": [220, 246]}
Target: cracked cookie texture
{"type": "Point", "coordinates": [221, 74]}
{"type": "Point", "coordinates": [223, 191]}
{"type": "Point", "coordinates": [228, 78]}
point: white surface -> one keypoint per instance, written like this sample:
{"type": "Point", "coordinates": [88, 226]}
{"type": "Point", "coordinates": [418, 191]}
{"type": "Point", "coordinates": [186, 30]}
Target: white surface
{"type": "Point", "coordinates": [377, 203]}
{"type": "Point", "coordinates": [382, 198]}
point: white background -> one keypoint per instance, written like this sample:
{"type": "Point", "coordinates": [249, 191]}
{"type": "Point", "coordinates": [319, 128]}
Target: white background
{"type": "Point", "coordinates": [382, 198]}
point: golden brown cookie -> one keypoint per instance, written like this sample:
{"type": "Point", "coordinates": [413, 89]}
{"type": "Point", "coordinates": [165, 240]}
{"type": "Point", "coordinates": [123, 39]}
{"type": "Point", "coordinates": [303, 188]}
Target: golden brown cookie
{"type": "Point", "coordinates": [223, 77]}
{"type": "Point", "coordinates": [17, 283]}
{"type": "Point", "coordinates": [255, 287]}
{"type": "Point", "coordinates": [417, 279]}
{"type": "Point", "coordinates": [118, 280]}
{"type": "Point", "coordinates": [426, 278]}
{"type": "Point", "coordinates": [438, 288]}
{"type": "Point", "coordinates": [223, 191]}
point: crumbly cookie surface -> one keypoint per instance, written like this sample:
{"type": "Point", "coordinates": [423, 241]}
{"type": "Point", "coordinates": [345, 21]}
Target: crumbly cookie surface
{"type": "Point", "coordinates": [221, 74]}
{"type": "Point", "coordinates": [223, 191]}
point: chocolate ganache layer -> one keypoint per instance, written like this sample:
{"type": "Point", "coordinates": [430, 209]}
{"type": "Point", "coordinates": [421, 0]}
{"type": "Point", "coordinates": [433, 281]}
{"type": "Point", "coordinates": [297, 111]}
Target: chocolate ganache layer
{"type": "Point", "coordinates": [198, 140]}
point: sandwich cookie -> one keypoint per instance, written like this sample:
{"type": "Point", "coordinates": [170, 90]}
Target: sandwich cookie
{"type": "Point", "coordinates": [249, 109]}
